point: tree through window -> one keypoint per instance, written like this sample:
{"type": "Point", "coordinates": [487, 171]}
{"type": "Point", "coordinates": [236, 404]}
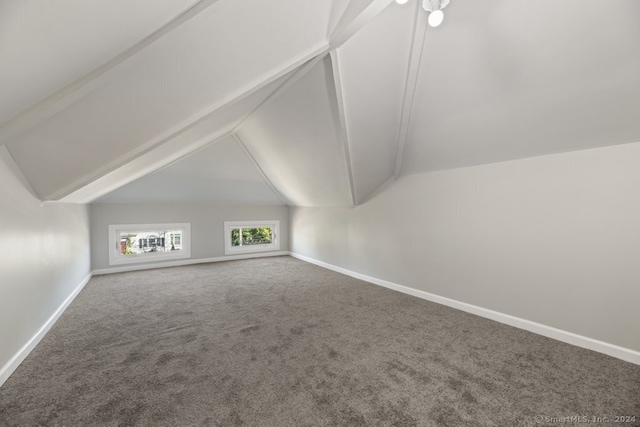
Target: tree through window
{"type": "Point", "coordinates": [251, 236]}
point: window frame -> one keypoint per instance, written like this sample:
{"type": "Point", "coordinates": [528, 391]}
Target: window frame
{"type": "Point", "coordinates": [233, 250]}
{"type": "Point", "coordinates": [116, 258]}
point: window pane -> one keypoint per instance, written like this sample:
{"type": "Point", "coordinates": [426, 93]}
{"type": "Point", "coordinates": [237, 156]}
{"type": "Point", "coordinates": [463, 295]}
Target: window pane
{"type": "Point", "coordinates": [256, 236]}
{"type": "Point", "coordinates": [235, 237]}
{"type": "Point", "coordinates": [150, 241]}
{"type": "Point", "coordinates": [251, 236]}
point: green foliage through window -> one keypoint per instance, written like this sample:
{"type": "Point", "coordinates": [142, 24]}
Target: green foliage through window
{"type": "Point", "coordinates": [126, 250]}
{"type": "Point", "coordinates": [251, 236]}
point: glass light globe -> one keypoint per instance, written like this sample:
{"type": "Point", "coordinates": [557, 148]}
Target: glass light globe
{"type": "Point", "coordinates": [435, 18]}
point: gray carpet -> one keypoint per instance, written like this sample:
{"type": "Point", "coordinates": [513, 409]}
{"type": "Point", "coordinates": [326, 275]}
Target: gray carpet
{"type": "Point", "coordinates": [279, 342]}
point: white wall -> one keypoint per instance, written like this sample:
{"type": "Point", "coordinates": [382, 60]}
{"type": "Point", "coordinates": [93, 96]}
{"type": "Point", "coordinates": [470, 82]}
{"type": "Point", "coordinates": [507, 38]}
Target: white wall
{"type": "Point", "coordinates": [45, 257]}
{"type": "Point", "coordinates": [207, 222]}
{"type": "Point", "coordinates": [554, 239]}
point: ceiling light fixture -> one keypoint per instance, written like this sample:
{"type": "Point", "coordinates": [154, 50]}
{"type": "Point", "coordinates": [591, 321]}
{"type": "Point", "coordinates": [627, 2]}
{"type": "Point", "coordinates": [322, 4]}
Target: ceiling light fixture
{"type": "Point", "coordinates": [435, 18]}
{"type": "Point", "coordinates": [434, 7]}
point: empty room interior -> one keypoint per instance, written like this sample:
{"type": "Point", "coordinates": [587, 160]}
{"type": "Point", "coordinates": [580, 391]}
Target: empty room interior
{"type": "Point", "coordinates": [319, 213]}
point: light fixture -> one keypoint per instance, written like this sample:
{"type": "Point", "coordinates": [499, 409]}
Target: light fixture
{"type": "Point", "coordinates": [434, 7]}
{"type": "Point", "coordinates": [435, 18]}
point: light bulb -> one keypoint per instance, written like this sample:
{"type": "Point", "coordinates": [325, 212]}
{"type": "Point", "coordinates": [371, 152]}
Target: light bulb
{"type": "Point", "coordinates": [401, 1]}
{"type": "Point", "coordinates": [435, 18]}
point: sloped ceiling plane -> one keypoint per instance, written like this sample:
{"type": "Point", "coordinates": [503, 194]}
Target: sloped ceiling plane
{"type": "Point", "coordinates": [315, 103]}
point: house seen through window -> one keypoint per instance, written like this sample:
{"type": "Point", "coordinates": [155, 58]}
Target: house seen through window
{"type": "Point", "coordinates": [148, 242]}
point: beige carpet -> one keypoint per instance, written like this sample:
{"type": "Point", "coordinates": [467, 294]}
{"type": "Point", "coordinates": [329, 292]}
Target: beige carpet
{"type": "Point", "coordinates": [279, 342]}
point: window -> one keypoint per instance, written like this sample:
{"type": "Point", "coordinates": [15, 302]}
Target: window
{"type": "Point", "coordinates": [148, 242]}
{"type": "Point", "coordinates": [251, 236]}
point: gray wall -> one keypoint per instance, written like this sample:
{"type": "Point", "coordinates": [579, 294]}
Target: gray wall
{"type": "Point", "coordinates": [207, 221]}
{"type": "Point", "coordinates": [45, 257]}
{"type": "Point", "coordinates": [554, 239]}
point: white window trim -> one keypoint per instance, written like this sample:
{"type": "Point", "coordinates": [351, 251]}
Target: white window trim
{"type": "Point", "coordinates": [231, 250]}
{"type": "Point", "coordinates": [116, 258]}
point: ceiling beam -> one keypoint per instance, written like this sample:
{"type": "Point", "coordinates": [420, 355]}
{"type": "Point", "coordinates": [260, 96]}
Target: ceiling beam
{"type": "Point", "coordinates": [150, 162]}
{"type": "Point", "coordinates": [343, 132]}
{"type": "Point", "coordinates": [350, 25]}
{"type": "Point", "coordinates": [415, 59]}
{"type": "Point", "coordinates": [74, 91]}
{"type": "Point", "coordinates": [244, 148]}
{"type": "Point", "coordinates": [167, 147]}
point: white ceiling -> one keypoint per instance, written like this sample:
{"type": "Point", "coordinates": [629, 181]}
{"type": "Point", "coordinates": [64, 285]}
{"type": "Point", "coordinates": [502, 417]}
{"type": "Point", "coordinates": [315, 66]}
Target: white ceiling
{"type": "Point", "coordinates": [294, 139]}
{"type": "Point", "coordinates": [222, 172]}
{"type": "Point", "coordinates": [504, 80]}
{"type": "Point", "coordinates": [45, 45]}
{"type": "Point", "coordinates": [331, 99]}
{"type": "Point", "coordinates": [44, 152]}
{"type": "Point", "coordinates": [373, 66]}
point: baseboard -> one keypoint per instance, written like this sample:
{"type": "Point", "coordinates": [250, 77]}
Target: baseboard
{"type": "Point", "coordinates": [182, 262]}
{"type": "Point", "coordinates": [22, 354]}
{"type": "Point", "coordinates": [622, 353]}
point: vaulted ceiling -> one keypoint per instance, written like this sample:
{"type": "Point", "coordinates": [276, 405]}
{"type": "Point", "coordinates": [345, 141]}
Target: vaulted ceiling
{"type": "Point", "coordinates": [302, 103]}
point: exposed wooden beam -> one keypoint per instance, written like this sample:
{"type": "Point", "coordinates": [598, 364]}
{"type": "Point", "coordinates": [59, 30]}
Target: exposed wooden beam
{"type": "Point", "coordinates": [69, 94]}
{"type": "Point", "coordinates": [246, 150]}
{"type": "Point", "coordinates": [109, 176]}
{"type": "Point", "coordinates": [350, 24]}
{"type": "Point", "coordinates": [415, 58]}
{"type": "Point", "coordinates": [343, 132]}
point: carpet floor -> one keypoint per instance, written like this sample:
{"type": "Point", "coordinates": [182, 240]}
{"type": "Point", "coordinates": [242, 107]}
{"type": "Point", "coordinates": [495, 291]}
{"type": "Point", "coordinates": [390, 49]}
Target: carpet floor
{"type": "Point", "coordinates": [280, 342]}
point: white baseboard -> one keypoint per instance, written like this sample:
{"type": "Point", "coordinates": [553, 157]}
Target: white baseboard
{"type": "Point", "coordinates": [181, 262]}
{"type": "Point", "coordinates": [18, 358]}
{"type": "Point", "coordinates": [538, 328]}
